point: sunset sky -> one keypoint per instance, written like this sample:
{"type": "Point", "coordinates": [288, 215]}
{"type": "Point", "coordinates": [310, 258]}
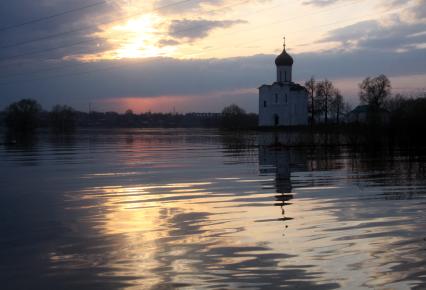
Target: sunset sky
{"type": "Point", "coordinates": [156, 55]}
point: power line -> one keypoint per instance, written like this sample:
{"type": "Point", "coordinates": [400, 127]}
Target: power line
{"type": "Point", "coordinates": [276, 22]}
{"type": "Point", "coordinates": [45, 50]}
{"type": "Point", "coordinates": [296, 17]}
{"type": "Point", "coordinates": [111, 67]}
{"type": "Point", "coordinates": [48, 69]}
{"type": "Point", "coordinates": [52, 16]}
{"type": "Point", "coordinates": [263, 38]}
{"type": "Point", "coordinates": [63, 33]}
{"type": "Point", "coordinates": [91, 40]}
{"type": "Point", "coordinates": [67, 74]}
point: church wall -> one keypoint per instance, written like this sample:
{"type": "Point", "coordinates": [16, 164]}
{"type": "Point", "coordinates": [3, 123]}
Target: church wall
{"type": "Point", "coordinates": [289, 106]}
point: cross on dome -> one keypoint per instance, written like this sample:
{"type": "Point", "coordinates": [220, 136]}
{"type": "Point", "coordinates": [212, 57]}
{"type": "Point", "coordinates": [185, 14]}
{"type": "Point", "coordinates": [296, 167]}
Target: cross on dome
{"type": "Point", "coordinates": [284, 59]}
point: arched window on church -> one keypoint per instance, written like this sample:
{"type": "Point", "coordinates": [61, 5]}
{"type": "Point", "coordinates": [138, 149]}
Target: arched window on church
{"type": "Point", "coordinates": [285, 75]}
{"type": "Point", "coordinates": [276, 98]}
{"type": "Point", "coordinates": [264, 104]}
{"type": "Point", "coordinates": [281, 76]}
{"type": "Point", "coordinates": [286, 98]}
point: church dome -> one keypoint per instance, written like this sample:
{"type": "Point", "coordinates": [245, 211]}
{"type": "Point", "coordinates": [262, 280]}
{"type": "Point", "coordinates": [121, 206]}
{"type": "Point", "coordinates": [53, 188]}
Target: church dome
{"type": "Point", "coordinates": [284, 59]}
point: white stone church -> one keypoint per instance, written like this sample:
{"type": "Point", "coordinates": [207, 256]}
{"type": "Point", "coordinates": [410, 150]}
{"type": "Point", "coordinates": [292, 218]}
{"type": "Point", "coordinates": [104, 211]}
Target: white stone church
{"type": "Point", "coordinates": [283, 103]}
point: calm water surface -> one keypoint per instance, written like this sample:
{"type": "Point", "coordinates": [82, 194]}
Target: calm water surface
{"type": "Point", "coordinates": [196, 209]}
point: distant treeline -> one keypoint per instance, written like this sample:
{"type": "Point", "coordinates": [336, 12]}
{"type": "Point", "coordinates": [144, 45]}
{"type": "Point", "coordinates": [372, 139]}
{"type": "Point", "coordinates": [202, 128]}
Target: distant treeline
{"type": "Point", "coordinates": [379, 113]}
{"type": "Point", "coordinates": [27, 115]}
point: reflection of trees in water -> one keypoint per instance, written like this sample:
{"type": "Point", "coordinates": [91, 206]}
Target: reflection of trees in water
{"type": "Point", "coordinates": [379, 162]}
{"type": "Point", "coordinates": [389, 167]}
{"type": "Point", "coordinates": [25, 145]}
{"type": "Point", "coordinates": [239, 146]}
{"type": "Point", "coordinates": [12, 139]}
{"type": "Point", "coordinates": [367, 166]}
{"type": "Point", "coordinates": [324, 158]}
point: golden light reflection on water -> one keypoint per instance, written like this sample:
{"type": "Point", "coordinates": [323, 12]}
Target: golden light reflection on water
{"type": "Point", "coordinates": [187, 212]}
{"type": "Point", "coordinates": [138, 208]}
{"type": "Point", "coordinates": [148, 221]}
{"type": "Point", "coordinates": [208, 222]}
{"type": "Point", "coordinates": [169, 228]}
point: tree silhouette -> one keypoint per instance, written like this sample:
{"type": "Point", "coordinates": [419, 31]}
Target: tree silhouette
{"type": "Point", "coordinates": [62, 118]}
{"type": "Point", "coordinates": [337, 105]}
{"type": "Point", "coordinates": [23, 116]}
{"type": "Point", "coordinates": [233, 117]}
{"type": "Point", "coordinates": [375, 91]}
{"type": "Point", "coordinates": [311, 86]}
{"type": "Point", "coordinates": [325, 90]}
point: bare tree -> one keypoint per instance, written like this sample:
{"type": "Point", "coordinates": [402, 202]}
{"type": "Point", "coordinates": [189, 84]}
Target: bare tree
{"type": "Point", "coordinates": [325, 91]}
{"type": "Point", "coordinates": [337, 105]}
{"type": "Point", "coordinates": [311, 86]}
{"type": "Point", "coordinates": [375, 91]}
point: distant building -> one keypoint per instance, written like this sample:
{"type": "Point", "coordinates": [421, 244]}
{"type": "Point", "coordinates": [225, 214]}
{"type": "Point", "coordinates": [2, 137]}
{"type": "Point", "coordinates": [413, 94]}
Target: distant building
{"type": "Point", "coordinates": [360, 115]}
{"type": "Point", "coordinates": [283, 103]}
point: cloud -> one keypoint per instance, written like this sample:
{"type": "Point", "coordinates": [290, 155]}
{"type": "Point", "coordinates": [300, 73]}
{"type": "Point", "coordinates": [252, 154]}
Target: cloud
{"type": "Point", "coordinates": [417, 11]}
{"type": "Point", "coordinates": [69, 33]}
{"type": "Point", "coordinates": [200, 28]}
{"type": "Point", "coordinates": [83, 33]}
{"type": "Point", "coordinates": [394, 46]}
{"type": "Point", "coordinates": [168, 42]}
{"type": "Point", "coordinates": [397, 32]}
{"type": "Point", "coordinates": [352, 32]}
{"type": "Point", "coordinates": [211, 81]}
{"type": "Point", "coordinates": [185, 7]}
{"type": "Point", "coordinates": [320, 3]}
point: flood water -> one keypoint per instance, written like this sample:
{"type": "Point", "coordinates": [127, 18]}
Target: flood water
{"type": "Point", "coordinates": [197, 209]}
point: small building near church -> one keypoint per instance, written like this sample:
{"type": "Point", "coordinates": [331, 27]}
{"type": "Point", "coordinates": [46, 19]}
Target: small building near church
{"type": "Point", "coordinates": [284, 103]}
{"type": "Point", "coordinates": [361, 115]}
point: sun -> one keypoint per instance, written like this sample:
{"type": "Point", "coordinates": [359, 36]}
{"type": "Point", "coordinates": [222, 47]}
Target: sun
{"type": "Point", "coordinates": [138, 37]}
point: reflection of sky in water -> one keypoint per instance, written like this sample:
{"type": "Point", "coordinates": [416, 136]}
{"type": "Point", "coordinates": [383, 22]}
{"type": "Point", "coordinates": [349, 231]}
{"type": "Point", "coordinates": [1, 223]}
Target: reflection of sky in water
{"type": "Point", "coordinates": [197, 209]}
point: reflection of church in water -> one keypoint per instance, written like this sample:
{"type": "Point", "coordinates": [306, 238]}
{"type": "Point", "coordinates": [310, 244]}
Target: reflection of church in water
{"type": "Point", "coordinates": [280, 162]}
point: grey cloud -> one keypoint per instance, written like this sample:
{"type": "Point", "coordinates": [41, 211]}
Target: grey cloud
{"type": "Point", "coordinates": [191, 6]}
{"type": "Point", "coordinates": [320, 2]}
{"type": "Point", "coordinates": [419, 10]}
{"type": "Point", "coordinates": [352, 32]}
{"type": "Point", "coordinates": [371, 34]}
{"type": "Point", "coordinates": [201, 78]}
{"type": "Point", "coordinates": [193, 29]}
{"type": "Point", "coordinates": [374, 54]}
{"type": "Point", "coordinates": [70, 32]}
{"type": "Point", "coordinates": [384, 3]}
{"type": "Point", "coordinates": [168, 42]}
{"type": "Point", "coordinates": [200, 7]}
{"type": "Point", "coordinates": [73, 33]}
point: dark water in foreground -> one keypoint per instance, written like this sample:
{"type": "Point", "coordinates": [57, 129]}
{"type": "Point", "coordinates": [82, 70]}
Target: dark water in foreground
{"type": "Point", "coordinates": [161, 209]}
